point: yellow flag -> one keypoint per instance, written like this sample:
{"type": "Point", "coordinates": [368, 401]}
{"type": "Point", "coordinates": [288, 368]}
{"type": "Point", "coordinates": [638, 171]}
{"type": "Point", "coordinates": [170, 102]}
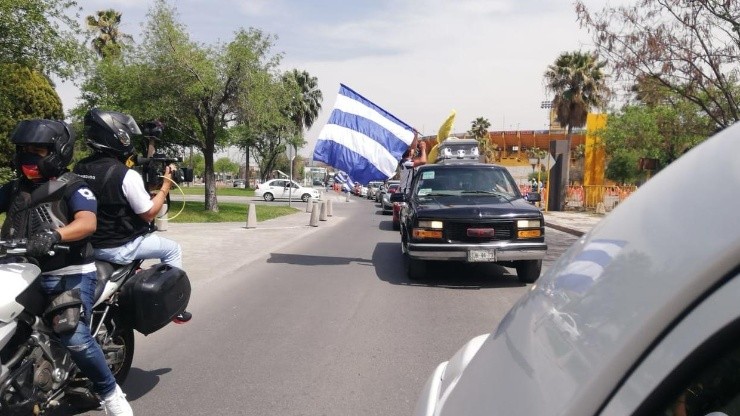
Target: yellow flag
{"type": "Point", "coordinates": [444, 132]}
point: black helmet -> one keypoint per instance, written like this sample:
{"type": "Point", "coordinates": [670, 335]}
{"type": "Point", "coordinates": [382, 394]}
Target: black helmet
{"type": "Point", "coordinates": [110, 132]}
{"type": "Point", "coordinates": [56, 135]}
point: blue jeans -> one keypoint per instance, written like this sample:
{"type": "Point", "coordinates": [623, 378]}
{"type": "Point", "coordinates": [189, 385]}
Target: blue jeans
{"type": "Point", "coordinates": [81, 345]}
{"type": "Point", "coordinates": [149, 246]}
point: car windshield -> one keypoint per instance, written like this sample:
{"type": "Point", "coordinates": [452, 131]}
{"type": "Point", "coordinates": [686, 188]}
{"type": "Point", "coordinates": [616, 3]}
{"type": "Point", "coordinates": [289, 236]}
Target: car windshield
{"type": "Point", "coordinates": [465, 180]}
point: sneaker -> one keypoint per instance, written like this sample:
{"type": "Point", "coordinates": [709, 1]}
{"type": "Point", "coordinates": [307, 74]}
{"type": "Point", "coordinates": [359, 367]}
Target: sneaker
{"type": "Point", "coordinates": [183, 317]}
{"type": "Point", "coordinates": [115, 404]}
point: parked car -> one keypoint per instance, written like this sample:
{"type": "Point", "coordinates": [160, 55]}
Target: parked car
{"type": "Point", "coordinates": [240, 183]}
{"type": "Point", "coordinates": [387, 205]}
{"type": "Point", "coordinates": [639, 317]}
{"type": "Point", "coordinates": [281, 189]}
{"type": "Point", "coordinates": [383, 189]}
{"type": "Point", "coordinates": [372, 189]}
{"type": "Point", "coordinates": [470, 212]}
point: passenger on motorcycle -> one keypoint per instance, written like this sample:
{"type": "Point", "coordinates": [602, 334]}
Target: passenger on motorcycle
{"type": "Point", "coordinates": [126, 210]}
{"type": "Point", "coordinates": [43, 150]}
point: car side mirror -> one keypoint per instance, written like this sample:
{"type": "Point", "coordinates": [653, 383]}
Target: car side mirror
{"type": "Point", "coordinates": [534, 197]}
{"type": "Point", "coordinates": [398, 197]}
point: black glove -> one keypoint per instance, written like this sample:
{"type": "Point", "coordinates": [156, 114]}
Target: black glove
{"type": "Point", "coordinates": [41, 243]}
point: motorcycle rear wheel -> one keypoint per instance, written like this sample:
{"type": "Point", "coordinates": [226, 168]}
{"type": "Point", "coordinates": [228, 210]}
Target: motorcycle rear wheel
{"type": "Point", "coordinates": [119, 352]}
{"type": "Point", "coordinates": [126, 336]}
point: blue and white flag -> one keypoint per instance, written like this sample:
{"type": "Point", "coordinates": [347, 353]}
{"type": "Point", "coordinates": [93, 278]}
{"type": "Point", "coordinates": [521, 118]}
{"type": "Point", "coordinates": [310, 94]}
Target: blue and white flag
{"type": "Point", "coordinates": [343, 179]}
{"type": "Point", "coordinates": [362, 139]}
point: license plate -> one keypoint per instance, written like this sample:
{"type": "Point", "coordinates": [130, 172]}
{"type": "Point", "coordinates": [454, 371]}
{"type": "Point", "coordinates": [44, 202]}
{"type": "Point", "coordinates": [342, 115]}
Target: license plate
{"type": "Point", "coordinates": [486, 255]}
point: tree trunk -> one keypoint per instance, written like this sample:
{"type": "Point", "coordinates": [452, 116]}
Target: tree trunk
{"type": "Point", "coordinates": [246, 170]}
{"type": "Point", "coordinates": [211, 203]}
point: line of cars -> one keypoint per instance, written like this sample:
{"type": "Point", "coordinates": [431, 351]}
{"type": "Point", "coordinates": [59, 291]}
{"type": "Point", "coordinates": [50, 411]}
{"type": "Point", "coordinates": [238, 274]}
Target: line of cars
{"type": "Point", "coordinates": [380, 192]}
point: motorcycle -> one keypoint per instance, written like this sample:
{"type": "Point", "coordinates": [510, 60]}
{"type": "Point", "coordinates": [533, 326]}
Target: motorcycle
{"type": "Point", "coordinates": [36, 371]}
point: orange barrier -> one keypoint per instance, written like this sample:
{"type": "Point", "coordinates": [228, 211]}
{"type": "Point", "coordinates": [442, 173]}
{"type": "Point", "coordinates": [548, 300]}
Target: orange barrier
{"type": "Point", "coordinates": [589, 196]}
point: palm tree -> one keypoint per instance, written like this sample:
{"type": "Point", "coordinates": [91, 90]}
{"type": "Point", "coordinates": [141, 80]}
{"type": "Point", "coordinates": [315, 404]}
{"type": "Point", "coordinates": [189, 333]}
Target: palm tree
{"type": "Point", "coordinates": [578, 84]}
{"type": "Point", "coordinates": [305, 105]}
{"type": "Point", "coordinates": [108, 41]}
{"type": "Point", "coordinates": [479, 130]}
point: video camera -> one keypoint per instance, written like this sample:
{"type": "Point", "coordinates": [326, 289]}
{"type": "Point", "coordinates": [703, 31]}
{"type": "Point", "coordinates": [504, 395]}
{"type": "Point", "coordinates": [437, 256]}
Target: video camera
{"type": "Point", "coordinates": [152, 168]}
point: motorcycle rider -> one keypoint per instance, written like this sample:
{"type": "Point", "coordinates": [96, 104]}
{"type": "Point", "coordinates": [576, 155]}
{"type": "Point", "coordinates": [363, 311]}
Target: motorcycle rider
{"type": "Point", "coordinates": [126, 210]}
{"type": "Point", "coordinates": [44, 148]}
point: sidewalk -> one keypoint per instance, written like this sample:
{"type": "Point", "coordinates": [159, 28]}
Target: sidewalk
{"type": "Point", "coordinates": [572, 222]}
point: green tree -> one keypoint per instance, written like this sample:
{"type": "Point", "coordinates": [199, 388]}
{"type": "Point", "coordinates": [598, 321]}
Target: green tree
{"type": "Point", "coordinates": [622, 167]}
{"type": "Point", "coordinates": [305, 104]}
{"type": "Point", "coordinates": [195, 89]}
{"type": "Point", "coordinates": [663, 132]}
{"type": "Point", "coordinates": [689, 47]}
{"type": "Point", "coordinates": [195, 162]}
{"type": "Point", "coordinates": [264, 129]}
{"type": "Point", "coordinates": [225, 166]}
{"type": "Point", "coordinates": [479, 130]}
{"type": "Point", "coordinates": [305, 99]}
{"type": "Point", "coordinates": [578, 85]}
{"type": "Point", "coordinates": [40, 34]}
{"type": "Point", "coordinates": [108, 39]}
{"type": "Point", "coordinates": [24, 94]}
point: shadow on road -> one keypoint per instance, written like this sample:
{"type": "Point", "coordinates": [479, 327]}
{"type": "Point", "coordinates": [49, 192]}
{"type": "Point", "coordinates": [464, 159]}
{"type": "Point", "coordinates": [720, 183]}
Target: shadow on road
{"type": "Point", "coordinates": [309, 260]}
{"type": "Point", "coordinates": [388, 262]}
{"type": "Point", "coordinates": [140, 382]}
{"type": "Point", "coordinates": [387, 226]}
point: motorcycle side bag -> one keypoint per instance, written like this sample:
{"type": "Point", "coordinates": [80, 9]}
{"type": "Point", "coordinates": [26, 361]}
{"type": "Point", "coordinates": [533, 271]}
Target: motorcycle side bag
{"type": "Point", "coordinates": [154, 296]}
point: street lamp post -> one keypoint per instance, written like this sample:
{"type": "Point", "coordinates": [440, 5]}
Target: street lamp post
{"type": "Point", "coordinates": [534, 162]}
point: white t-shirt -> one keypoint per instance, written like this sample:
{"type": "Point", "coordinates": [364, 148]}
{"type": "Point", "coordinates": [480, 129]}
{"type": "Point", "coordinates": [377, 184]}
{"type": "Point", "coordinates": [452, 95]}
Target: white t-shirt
{"type": "Point", "coordinates": [135, 192]}
{"type": "Point", "coordinates": [406, 175]}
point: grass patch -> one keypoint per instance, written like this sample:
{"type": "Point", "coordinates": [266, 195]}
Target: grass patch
{"type": "Point", "coordinates": [227, 212]}
{"type": "Point", "coordinates": [201, 190]}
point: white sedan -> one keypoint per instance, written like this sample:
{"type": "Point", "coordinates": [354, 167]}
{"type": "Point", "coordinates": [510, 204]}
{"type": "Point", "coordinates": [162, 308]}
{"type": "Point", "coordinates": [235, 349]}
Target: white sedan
{"type": "Point", "coordinates": [282, 189]}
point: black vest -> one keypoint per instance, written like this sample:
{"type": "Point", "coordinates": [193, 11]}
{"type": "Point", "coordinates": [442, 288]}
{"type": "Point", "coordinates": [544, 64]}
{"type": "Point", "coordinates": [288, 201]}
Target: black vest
{"type": "Point", "coordinates": [25, 218]}
{"type": "Point", "coordinates": [117, 222]}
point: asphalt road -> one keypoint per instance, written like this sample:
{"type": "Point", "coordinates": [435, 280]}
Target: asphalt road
{"type": "Point", "coordinates": [329, 325]}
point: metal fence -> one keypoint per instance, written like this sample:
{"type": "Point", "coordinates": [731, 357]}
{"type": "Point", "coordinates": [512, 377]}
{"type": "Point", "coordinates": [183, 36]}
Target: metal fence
{"type": "Point", "coordinates": [588, 198]}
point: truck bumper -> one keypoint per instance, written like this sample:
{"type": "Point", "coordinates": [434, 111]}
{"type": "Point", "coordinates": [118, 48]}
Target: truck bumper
{"type": "Point", "coordinates": [504, 251]}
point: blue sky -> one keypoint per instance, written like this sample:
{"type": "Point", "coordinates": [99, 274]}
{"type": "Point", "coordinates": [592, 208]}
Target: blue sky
{"type": "Point", "coordinates": [418, 59]}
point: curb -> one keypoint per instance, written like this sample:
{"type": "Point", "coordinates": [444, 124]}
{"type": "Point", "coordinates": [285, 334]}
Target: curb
{"type": "Point", "coordinates": [570, 231]}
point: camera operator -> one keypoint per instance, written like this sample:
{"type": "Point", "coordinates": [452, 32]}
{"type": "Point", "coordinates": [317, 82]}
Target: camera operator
{"type": "Point", "coordinates": [126, 210]}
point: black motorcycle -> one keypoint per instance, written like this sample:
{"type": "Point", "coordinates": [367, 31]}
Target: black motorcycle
{"type": "Point", "coordinates": [35, 369]}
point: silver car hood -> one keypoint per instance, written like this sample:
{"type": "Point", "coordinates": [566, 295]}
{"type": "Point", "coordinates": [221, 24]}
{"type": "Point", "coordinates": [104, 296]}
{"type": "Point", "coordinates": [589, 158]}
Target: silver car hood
{"type": "Point", "coordinates": [567, 343]}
